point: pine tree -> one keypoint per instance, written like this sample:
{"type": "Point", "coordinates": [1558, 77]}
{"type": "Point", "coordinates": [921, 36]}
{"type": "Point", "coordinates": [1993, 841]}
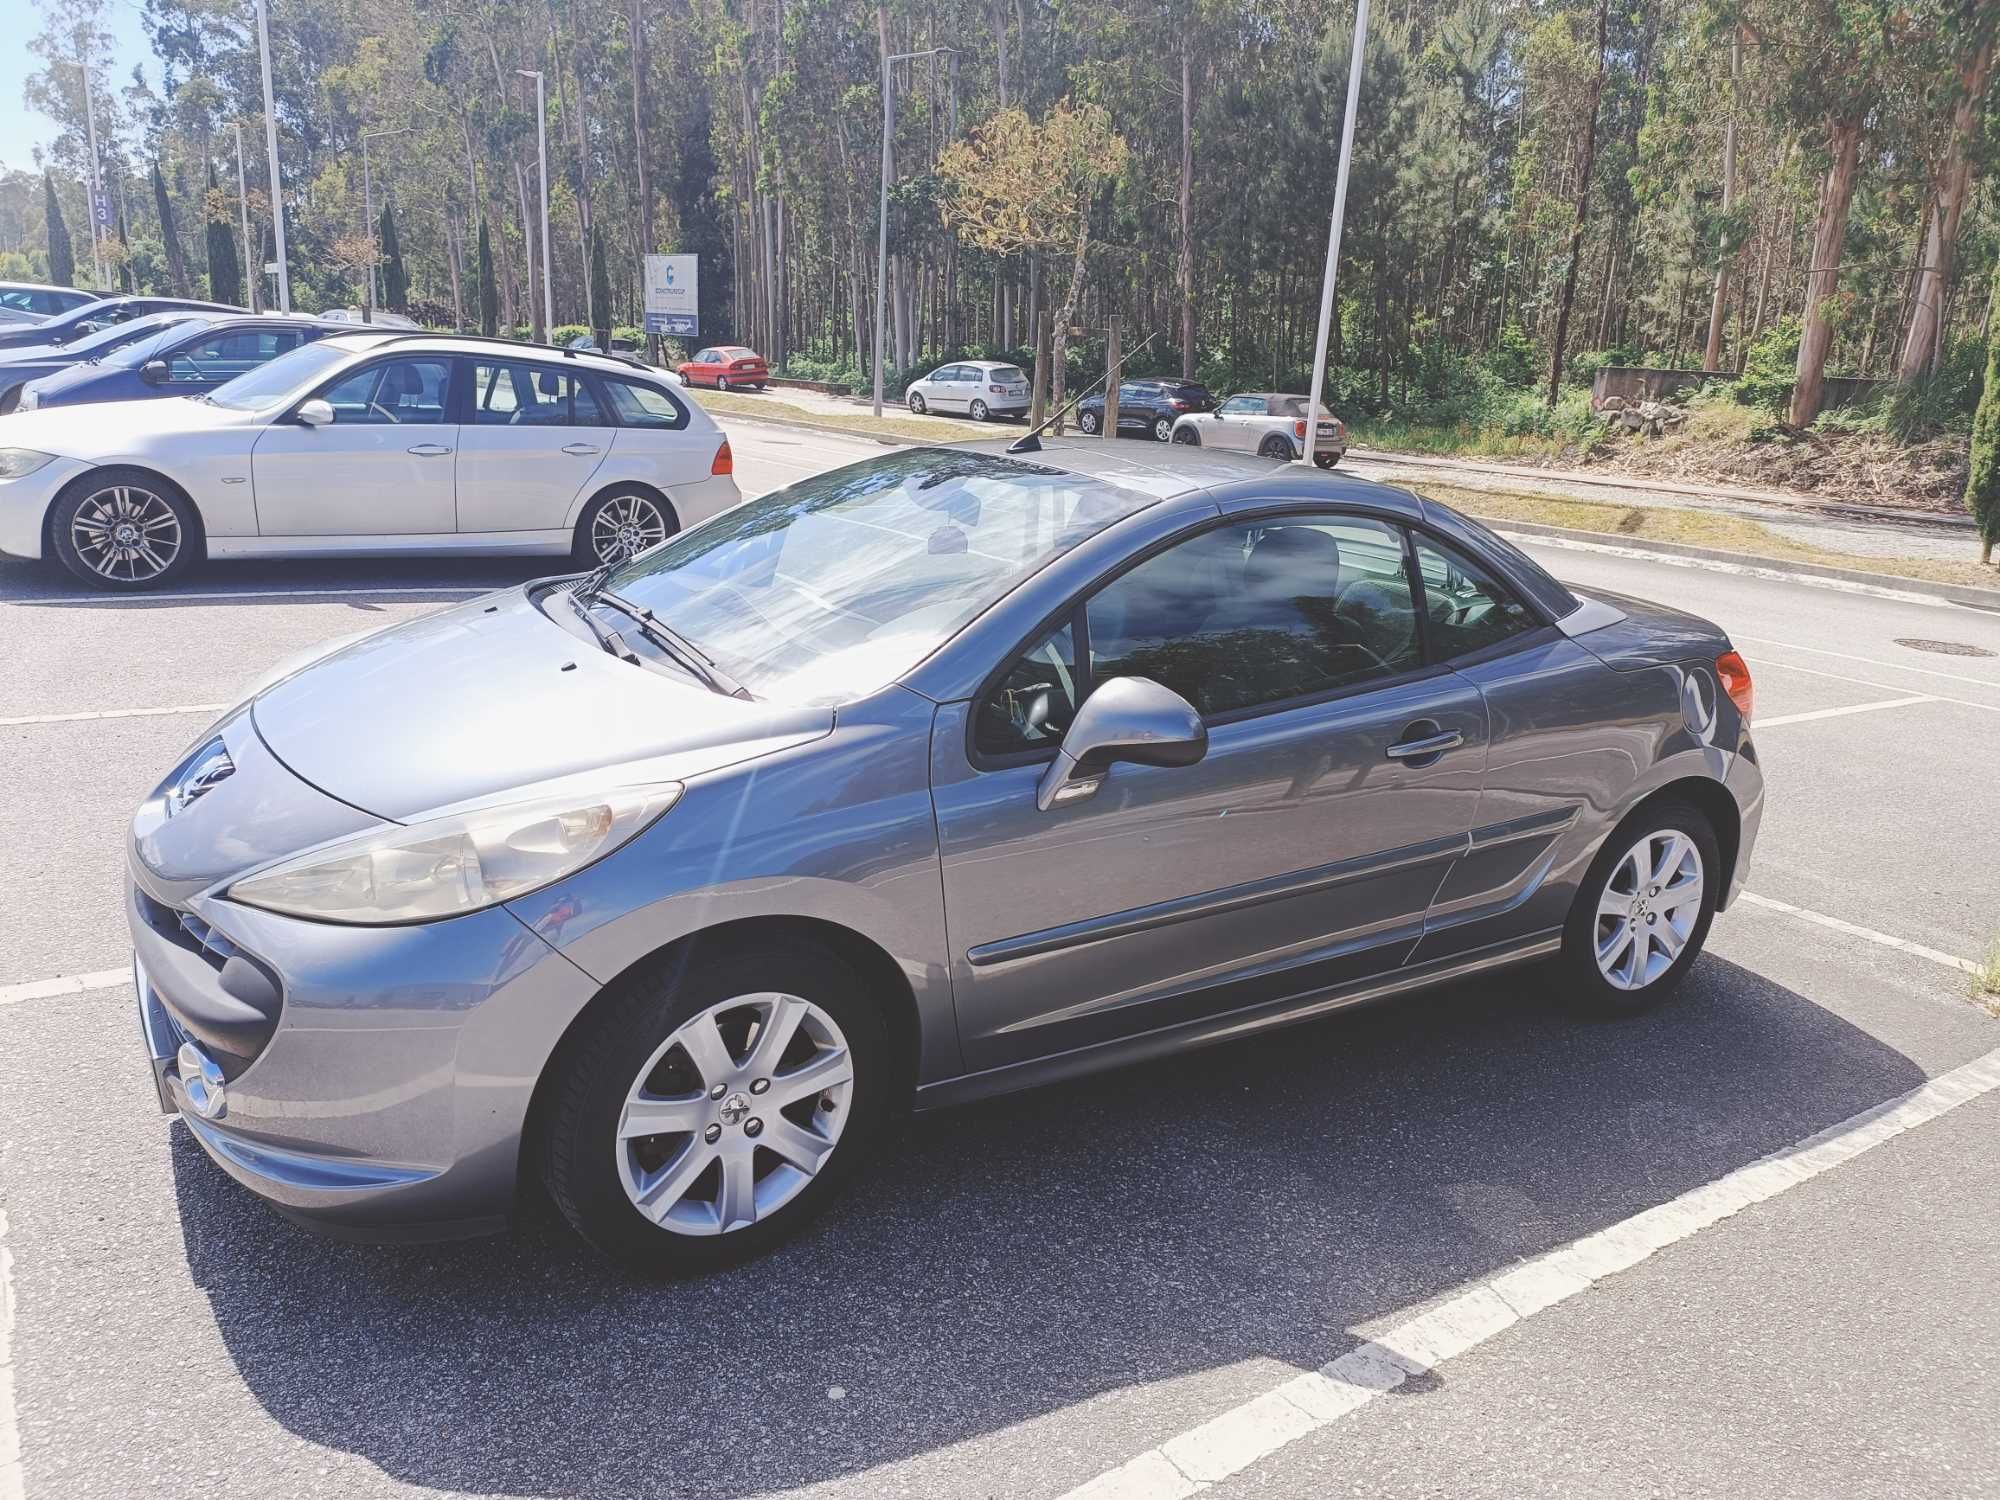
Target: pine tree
{"type": "Point", "coordinates": [395, 279]}
{"type": "Point", "coordinates": [225, 277]}
{"type": "Point", "coordinates": [600, 292]}
{"type": "Point", "coordinates": [1982, 483]}
{"type": "Point", "coordinates": [62, 256]}
{"type": "Point", "coordinates": [489, 292]}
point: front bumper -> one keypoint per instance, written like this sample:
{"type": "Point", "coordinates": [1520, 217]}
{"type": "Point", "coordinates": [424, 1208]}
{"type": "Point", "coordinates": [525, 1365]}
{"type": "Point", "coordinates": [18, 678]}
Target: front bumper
{"type": "Point", "coordinates": [25, 502]}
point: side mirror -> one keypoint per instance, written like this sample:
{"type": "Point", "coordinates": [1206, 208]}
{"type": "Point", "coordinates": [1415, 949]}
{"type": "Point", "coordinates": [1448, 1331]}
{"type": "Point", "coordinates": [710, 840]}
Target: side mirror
{"type": "Point", "coordinates": [1128, 718]}
{"type": "Point", "coordinates": [315, 413]}
{"type": "Point", "coordinates": [154, 372]}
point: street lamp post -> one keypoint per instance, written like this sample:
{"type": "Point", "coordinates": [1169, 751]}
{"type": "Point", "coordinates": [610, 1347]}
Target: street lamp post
{"type": "Point", "coordinates": [96, 175]}
{"type": "Point", "coordinates": [542, 151]}
{"type": "Point", "coordinates": [882, 238]}
{"type": "Point", "coordinates": [271, 146]}
{"type": "Point", "coordinates": [1333, 231]}
{"type": "Point", "coordinates": [368, 213]}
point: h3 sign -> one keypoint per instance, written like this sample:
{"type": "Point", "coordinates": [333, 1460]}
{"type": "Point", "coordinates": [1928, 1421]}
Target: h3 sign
{"type": "Point", "coordinates": [673, 295]}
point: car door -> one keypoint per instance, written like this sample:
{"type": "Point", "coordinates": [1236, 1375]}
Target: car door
{"type": "Point", "coordinates": [1235, 426]}
{"type": "Point", "coordinates": [533, 436]}
{"type": "Point", "coordinates": [1301, 852]}
{"type": "Point", "coordinates": [954, 389]}
{"type": "Point", "coordinates": [383, 467]}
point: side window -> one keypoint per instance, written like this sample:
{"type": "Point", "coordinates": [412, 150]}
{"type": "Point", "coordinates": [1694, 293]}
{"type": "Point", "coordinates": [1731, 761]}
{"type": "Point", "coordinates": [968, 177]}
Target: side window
{"type": "Point", "coordinates": [1243, 406]}
{"type": "Point", "coordinates": [642, 405]}
{"type": "Point", "coordinates": [1255, 614]}
{"type": "Point", "coordinates": [525, 395]}
{"type": "Point", "coordinates": [1467, 609]}
{"type": "Point", "coordinates": [394, 391]}
{"type": "Point", "coordinates": [1031, 707]}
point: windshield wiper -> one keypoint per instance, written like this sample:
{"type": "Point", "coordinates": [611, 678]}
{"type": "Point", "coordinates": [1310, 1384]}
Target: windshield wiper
{"type": "Point", "coordinates": [584, 592]}
{"type": "Point", "coordinates": [677, 646]}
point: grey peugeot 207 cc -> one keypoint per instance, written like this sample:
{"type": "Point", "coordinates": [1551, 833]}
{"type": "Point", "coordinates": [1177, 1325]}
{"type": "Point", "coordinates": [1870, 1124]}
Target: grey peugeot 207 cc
{"type": "Point", "coordinates": [943, 774]}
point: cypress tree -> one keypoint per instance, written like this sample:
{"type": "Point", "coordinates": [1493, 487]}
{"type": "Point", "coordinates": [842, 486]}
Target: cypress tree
{"type": "Point", "coordinates": [62, 255]}
{"type": "Point", "coordinates": [225, 277]}
{"type": "Point", "coordinates": [395, 279]}
{"type": "Point", "coordinates": [176, 262]}
{"type": "Point", "coordinates": [489, 292]}
{"type": "Point", "coordinates": [1982, 483]}
{"type": "Point", "coordinates": [600, 292]}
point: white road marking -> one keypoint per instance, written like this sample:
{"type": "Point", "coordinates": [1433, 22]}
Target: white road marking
{"type": "Point", "coordinates": [1784, 666]}
{"type": "Point", "coordinates": [1835, 713]}
{"type": "Point", "coordinates": [1873, 661]}
{"type": "Point", "coordinates": [69, 984]}
{"type": "Point", "coordinates": [1741, 570]}
{"type": "Point", "coordinates": [1227, 1445]}
{"type": "Point", "coordinates": [116, 713]}
{"type": "Point", "coordinates": [1887, 940]}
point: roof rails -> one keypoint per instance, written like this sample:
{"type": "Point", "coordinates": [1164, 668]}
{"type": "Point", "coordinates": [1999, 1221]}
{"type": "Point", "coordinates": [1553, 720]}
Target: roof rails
{"type": "Point", "coordinates": [398, 335]}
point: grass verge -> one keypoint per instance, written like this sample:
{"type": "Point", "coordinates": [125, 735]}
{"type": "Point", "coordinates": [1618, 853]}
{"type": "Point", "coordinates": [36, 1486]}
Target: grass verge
{"type": "Point", "coordinates": [1986, 983]}
{"type": "Point", "coordinates": [1695, 528]}
{"type": "Point", "coordinates": [906, 429]}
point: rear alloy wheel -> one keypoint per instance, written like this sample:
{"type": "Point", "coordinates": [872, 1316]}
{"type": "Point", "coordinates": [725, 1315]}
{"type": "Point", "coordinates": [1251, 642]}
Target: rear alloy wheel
{"type": "Point", "coordinates": [1275, 447]}
{"type": "Point", "coordinates": [722, 382]}
{"type": "Point", "coordinates": [1163, 428]}
{"type": "Point", "coordinates": [622, 525]}
{"type": "Point", "coordinates": [1091, 423]}
{"type": "Point", "coordinates": [979, 411]}
{"type": "Point", "coordinates": [1642, 913]}
{"type": "Point", "coordinates": [1188, 436]}
{"type": "Point", "coordinates": [916, 403]}
{"type": "Point", "coordinates": [124, 529]}
{"type": "Point", "coordinates": [763, 1077]}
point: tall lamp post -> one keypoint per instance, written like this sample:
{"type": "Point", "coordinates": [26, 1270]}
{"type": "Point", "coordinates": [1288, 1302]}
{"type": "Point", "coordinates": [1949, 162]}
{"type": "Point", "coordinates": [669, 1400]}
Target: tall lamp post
{"type": "Point", "coordinates": [368, 213]}
{"type": "Point", "coordinates": [1333, 231]}
{"type": "Point", "coordinates": [889, 60]}
{"type": "Point", "coordinates": [271, 146]}
{"type": "Point", "coordinates": [96, 175]}
{"type": "Point", "coordinates": [542, 150]}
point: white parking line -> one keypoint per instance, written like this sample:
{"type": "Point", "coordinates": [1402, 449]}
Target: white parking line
{"type": "Point", "coordinates": [1786, 666]}
{"type": "Point", "coordinates": [1835, 713]}
{"type": "Point", "coordinates": [69, 984]}
{"type": "Point", "coordinates": [1887, 940]}
{"type": "Point", "coordinates": [1873, 661]}
{"type": "Point", "coordinates": [116, 713]}
{"type": "Point", "coordinates": [1186, 1464]}
{"type": "Point", "coordinates": [12, 1487]}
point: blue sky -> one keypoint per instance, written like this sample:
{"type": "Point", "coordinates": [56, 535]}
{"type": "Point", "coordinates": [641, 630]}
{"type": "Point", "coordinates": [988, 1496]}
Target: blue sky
{"type": "Point", "coordinates": [22, 129]}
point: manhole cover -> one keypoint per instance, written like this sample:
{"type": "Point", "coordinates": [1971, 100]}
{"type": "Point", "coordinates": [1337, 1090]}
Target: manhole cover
{"type": "Point", "coordinates": [1942, 648]}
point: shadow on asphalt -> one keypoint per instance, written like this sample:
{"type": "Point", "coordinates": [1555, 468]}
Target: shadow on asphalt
{"type": "Point", "coordinates": [1012, 1258]}
{"type": "Point", "coordinates": [221, 582]}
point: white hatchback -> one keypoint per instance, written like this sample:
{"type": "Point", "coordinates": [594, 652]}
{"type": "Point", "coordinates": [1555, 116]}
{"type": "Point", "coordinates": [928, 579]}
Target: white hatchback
{"type": "Point", "coordinates": [980, 388]}
{"type": "Point", "coordinates": [367, 443]}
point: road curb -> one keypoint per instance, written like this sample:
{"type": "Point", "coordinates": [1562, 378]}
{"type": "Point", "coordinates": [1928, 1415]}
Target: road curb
{"type": "Point", "coordinates": [1956, 593]}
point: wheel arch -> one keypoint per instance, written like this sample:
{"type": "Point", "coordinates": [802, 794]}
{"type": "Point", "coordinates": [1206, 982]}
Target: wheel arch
{"type": "Point", "coordinates": [614, 486]}
{"type": "Point", "coordinates": [880, 974]}
{"type": "Point", "coordinates": [91, 475]}
{"type": "Point", "coordinates": [1714, 801]}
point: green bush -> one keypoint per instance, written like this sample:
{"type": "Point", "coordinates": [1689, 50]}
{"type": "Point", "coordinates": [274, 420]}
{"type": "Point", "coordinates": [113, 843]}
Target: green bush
{"type": "Point", "coordinates": [1512, 358]}
{"type": "Point", "coordinates": [1769, 368]}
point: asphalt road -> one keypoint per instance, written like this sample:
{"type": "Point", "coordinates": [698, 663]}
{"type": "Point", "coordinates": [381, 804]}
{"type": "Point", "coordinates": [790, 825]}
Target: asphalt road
{"type": "Point", "coordinates": [1025, 1294]}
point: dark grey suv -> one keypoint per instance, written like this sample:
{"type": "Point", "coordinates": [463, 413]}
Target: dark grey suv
{"type": "Point", "coordinates": [947, 773]}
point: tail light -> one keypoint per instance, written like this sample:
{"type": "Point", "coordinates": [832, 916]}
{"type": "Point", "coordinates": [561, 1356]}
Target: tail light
{"type": "Point", "coordinates": [725, 463]}
{"type": "Point", "coordinates": [998, 390]}
{"type": "Point", "coordinates": [1298, 429]}
{"type": "Point", "coordinates": [1734, 675]}
{"type": "Point", "coordinates": [1177, 404]}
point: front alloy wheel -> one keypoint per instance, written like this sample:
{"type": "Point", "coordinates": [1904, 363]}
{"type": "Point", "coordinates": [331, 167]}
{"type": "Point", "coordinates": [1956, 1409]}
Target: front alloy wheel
{"type": "Point", "coordinates": [124, 529]}
{"type": "Point", "coordinates": [1090, 421]}
{"type": "Point", "coordinates": [916, 403]}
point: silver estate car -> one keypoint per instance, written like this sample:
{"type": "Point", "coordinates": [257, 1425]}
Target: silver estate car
{"type": "Point", "coordinates": [946, 773]}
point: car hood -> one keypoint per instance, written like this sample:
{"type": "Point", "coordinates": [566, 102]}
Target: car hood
{"type": "Point", "coordinates": [62, 379]}
{"type": "Point", "coordinates": [17, 365]}
{"type": "Point", "coordinates": [491, 698]}
{"type": "Point", "coordinates": [104, 430]}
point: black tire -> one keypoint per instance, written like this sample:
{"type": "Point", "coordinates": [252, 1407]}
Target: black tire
{"type": "Point", "coordinates": [1090, 422]}
{"type": "Point", "coordinates": [583, 546]}
{"type": "Point", "coordinates": [1188, 436]}
{"type": "Point", "coordinates": [85, 491]}
{"type": "Point", "coordinates": [1581, 982]}
{"type": "Point", "coordinates": [979, 411]}
{"type": "Point", "coordinates": [642, 1009]}
{"type": "Point", "coordinates": [1326, 460]}
{"type": "Point", "coordinates": [1275, 447]}
{"type": "Point", "coordinates": [916, 403]}
{"type": "Point", "coordinates": [1163, 429]}
{"type": "Point", "coordinates": [11, 396]}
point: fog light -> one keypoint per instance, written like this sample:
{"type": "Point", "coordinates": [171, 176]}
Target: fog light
{"type": "Point", "coordinates": [201, 1079]}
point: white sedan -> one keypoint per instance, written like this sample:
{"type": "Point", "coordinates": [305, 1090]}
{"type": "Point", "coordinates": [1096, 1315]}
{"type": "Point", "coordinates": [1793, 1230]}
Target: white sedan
{"type": "Point", "coordinates": [367, 443]}
{"type": "Point", "coordinates": [1269, 423]}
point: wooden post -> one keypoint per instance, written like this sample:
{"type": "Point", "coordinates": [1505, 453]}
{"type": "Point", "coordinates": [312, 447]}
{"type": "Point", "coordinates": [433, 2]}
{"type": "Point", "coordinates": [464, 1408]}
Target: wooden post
{"type": "Point", "coordinates": [1044, 336]}
{"type": "Point", "coordinates": [1111, 363]}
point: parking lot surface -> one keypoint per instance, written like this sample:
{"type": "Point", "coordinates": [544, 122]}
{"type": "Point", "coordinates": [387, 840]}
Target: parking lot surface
{"type": "Point", "coordinates": [1023, 1297]}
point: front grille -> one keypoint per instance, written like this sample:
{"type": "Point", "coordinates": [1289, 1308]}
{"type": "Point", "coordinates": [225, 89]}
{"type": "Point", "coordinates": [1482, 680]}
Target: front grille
{"type": "Point", "coordinates": [186, 931]}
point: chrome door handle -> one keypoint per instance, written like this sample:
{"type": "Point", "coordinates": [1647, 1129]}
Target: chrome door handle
{"type": "Point", "coordinates": [430, 450]}
{"type": "Point", "coordinates": [581, 450]}
{"type": "Point", "coordinates": [1430, 744]}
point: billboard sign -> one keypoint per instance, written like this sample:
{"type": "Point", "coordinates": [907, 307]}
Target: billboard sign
{"type": "Point", "coordinates": [673, 295]}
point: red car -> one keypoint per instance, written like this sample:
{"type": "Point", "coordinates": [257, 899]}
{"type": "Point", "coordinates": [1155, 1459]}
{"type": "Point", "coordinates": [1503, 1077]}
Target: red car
{"type": "Point", "coordinates": [727, 365]}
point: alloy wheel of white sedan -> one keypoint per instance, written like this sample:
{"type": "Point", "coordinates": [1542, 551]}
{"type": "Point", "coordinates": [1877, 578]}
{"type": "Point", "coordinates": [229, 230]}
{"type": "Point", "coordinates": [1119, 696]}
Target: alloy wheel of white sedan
{"type": "Point", "coordinates": [626, 525]}
{"type": "Point", "coordinates": [126, 533]}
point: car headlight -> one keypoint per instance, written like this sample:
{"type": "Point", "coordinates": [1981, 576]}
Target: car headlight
{"type": "Point", "coordinates": [17, 462]}
{"type": "Point", "coordinates": [448, 866]}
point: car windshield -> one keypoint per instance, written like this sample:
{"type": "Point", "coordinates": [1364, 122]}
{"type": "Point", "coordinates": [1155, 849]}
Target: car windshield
{"type": "Point", "coordinates": [280, 379]}
{"type": "Point", "coordinates": [118, 335]}
{"type": "Point", "coordinates": [827, 590]}
{"type": "Point", "coordinates": [141, 349]}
